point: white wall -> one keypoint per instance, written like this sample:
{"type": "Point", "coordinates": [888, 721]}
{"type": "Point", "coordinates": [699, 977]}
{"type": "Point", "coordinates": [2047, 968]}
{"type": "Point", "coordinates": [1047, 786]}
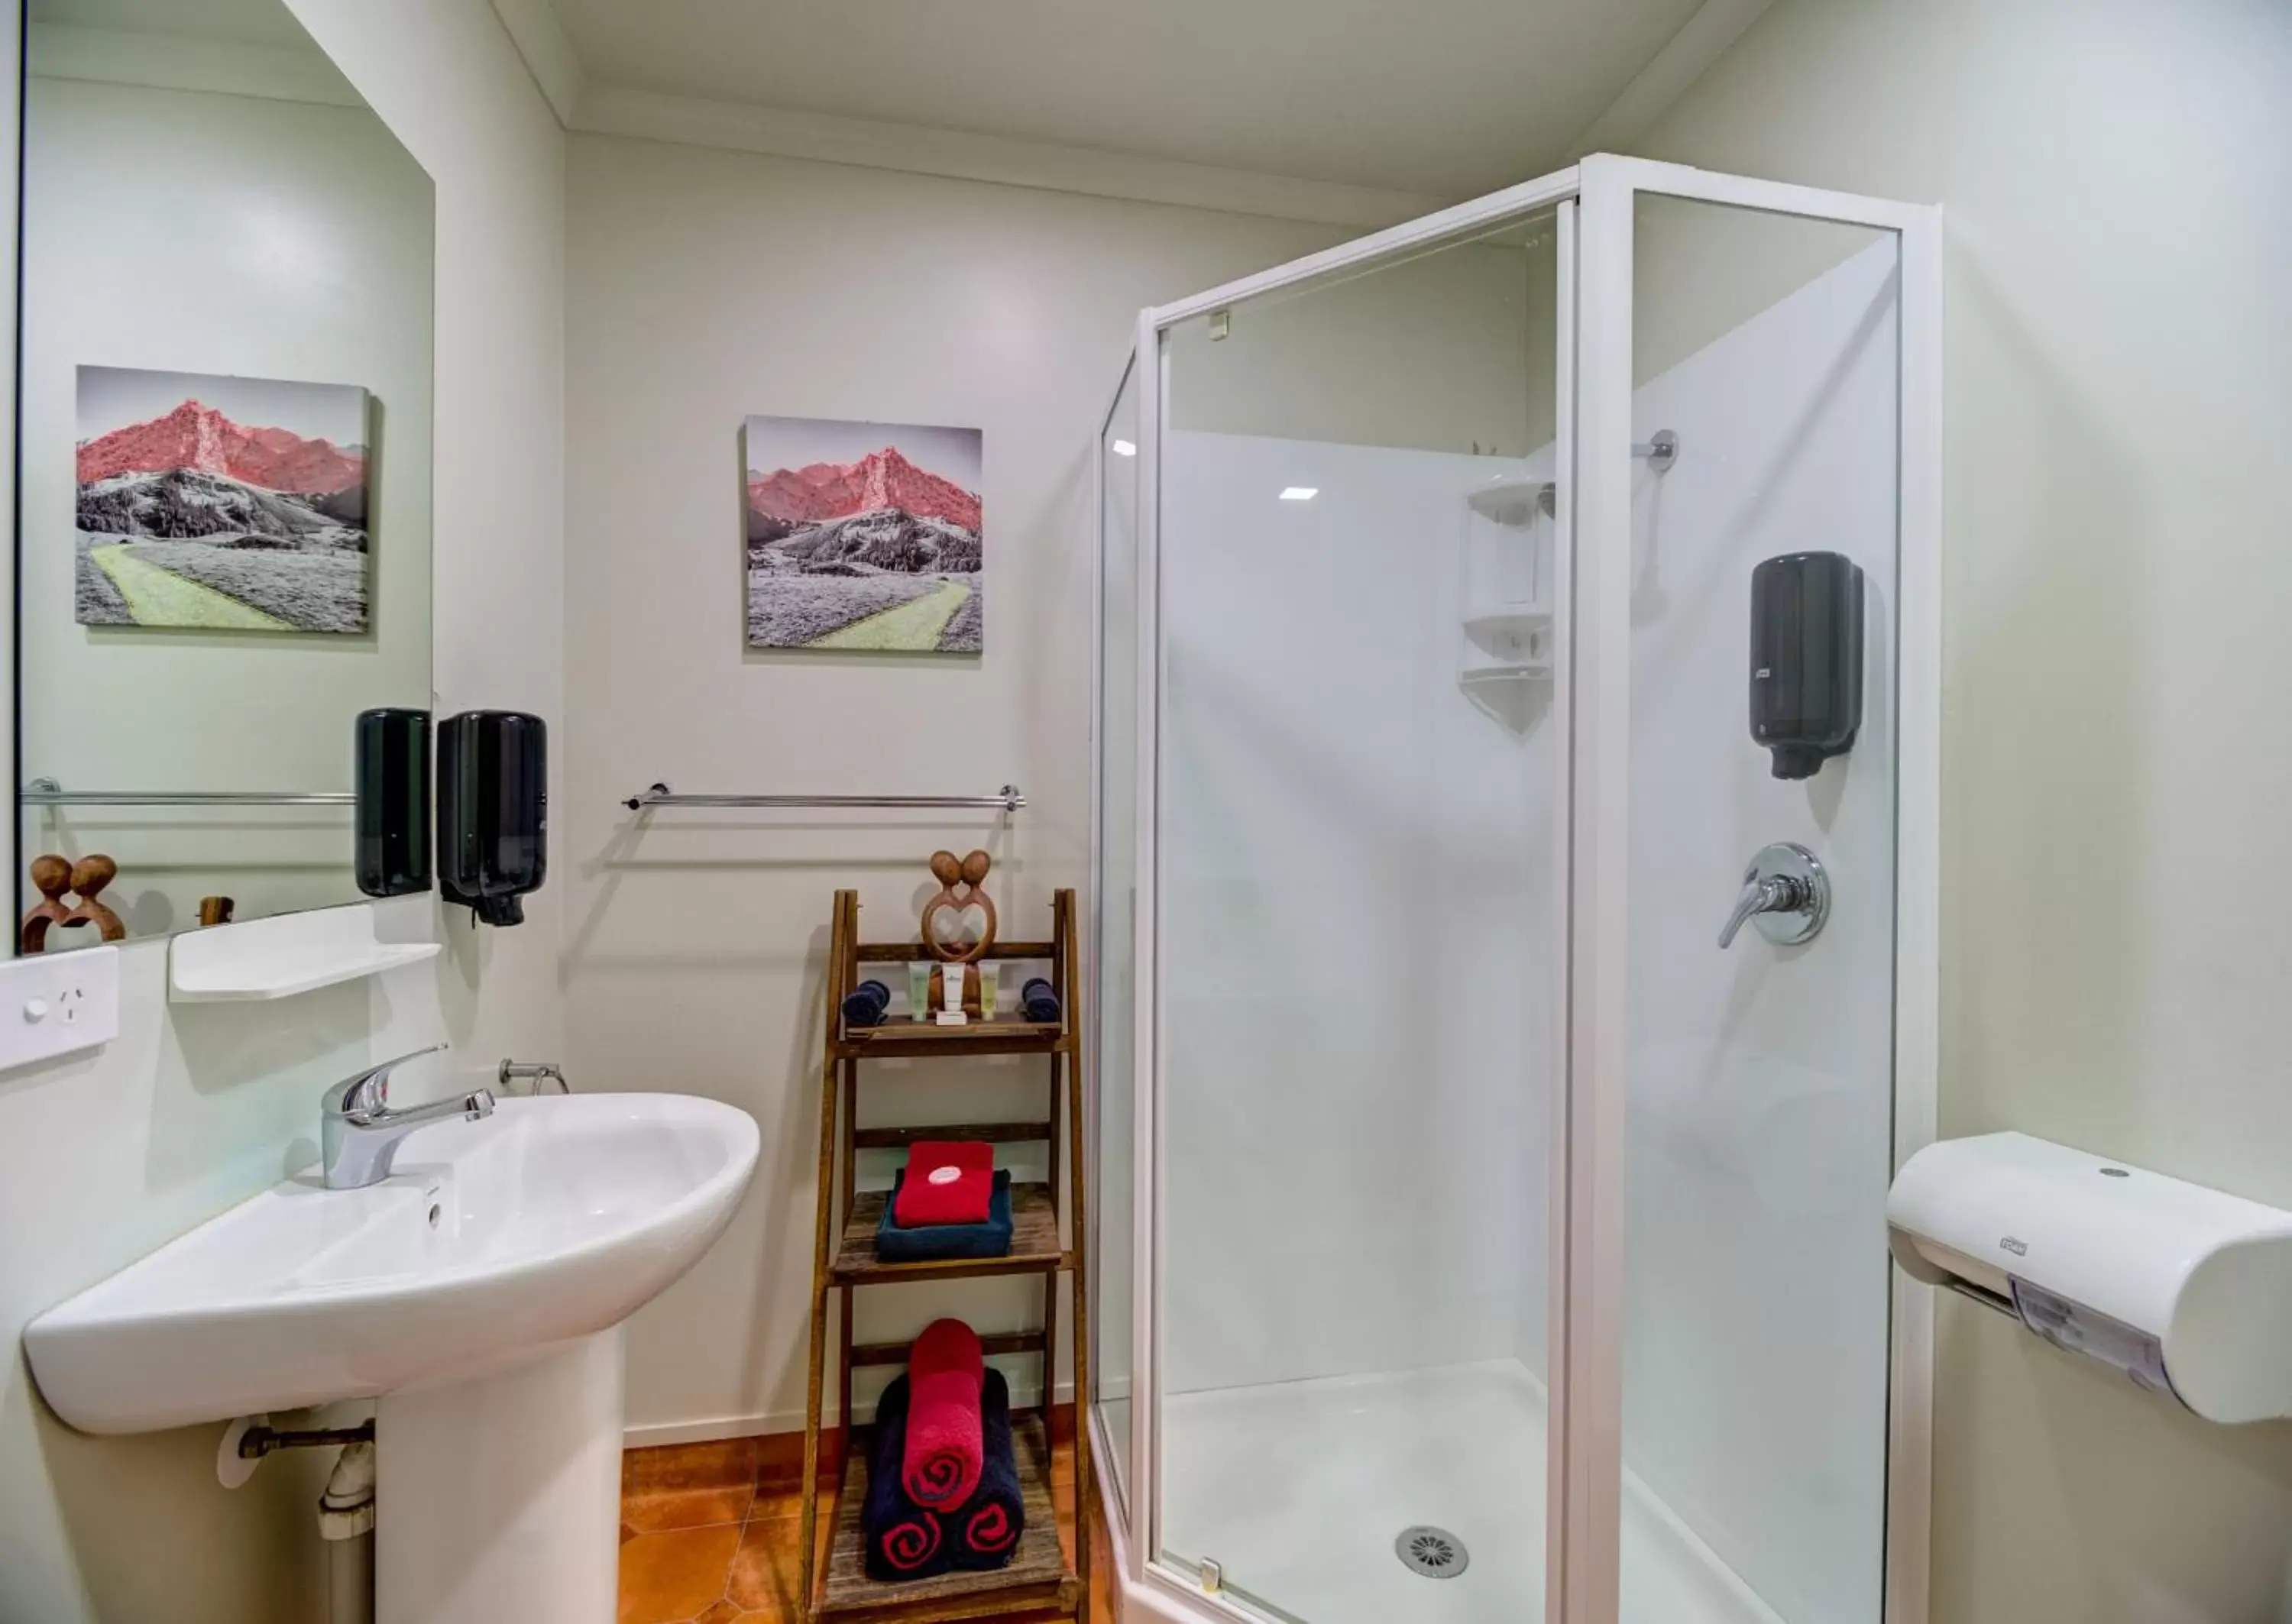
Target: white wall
{"type": "Point", "coordinates": [2118, 702]}
{"type": "Point", "coordinates": [1356, 911]}
{"type": "Point", "coordinates": [299, 245]}
{"type": "Point", "coordinates": [702, 286]}
{"type": "Point", "coordinates": [1760, 1117]}
{"type": "Point", "coordinates": [103, 1158]}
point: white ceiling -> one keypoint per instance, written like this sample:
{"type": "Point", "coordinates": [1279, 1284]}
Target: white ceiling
{"type": "Point", "coordinates": [1444, 97]}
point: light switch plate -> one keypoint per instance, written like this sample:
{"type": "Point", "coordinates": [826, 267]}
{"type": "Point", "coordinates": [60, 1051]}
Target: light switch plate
{"type": "Point", "coordinates": [58, 1003]}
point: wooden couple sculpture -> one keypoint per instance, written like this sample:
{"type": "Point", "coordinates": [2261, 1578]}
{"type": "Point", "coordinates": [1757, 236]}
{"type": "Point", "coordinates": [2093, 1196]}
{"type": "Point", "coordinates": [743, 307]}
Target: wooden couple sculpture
{"type": "Point", "coordinates": [54, 876]}
{"type": "Point", "coordinates": [958, 926]}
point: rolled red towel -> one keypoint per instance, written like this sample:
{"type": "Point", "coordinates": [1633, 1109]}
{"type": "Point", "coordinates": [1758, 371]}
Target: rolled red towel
{"type": "Point", "coordinates": [948, 1182]}
{"type": "Point", "coordinates": [909, 1546]}
{"type": "Point", "coordinates": [903, 1540]}
{"type": "Point", "coordinates": [945, 1445]}
{"type": "Point", "coordinates": [985, 1533]}
{"type": "Point", "coordinates": [990, 1531]}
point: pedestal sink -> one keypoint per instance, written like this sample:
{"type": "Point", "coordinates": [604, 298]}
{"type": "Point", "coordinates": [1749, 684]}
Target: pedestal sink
{"type": "Point", "coordinates": [477, 1294]}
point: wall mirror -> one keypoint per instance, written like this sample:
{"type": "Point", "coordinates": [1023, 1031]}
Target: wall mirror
{"type": "Point", "coordinates": [224, 462]}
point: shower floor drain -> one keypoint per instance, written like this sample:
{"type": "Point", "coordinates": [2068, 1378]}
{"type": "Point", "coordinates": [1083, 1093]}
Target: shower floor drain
{"type": "Point", "coordinates": [1433, 1552]}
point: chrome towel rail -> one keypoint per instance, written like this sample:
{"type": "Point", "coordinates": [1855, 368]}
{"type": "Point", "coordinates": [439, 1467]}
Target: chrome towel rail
{"type": "Point", "coordinates": [48, 792]}
{"type": "Point", "coordinates": [1008, 800]}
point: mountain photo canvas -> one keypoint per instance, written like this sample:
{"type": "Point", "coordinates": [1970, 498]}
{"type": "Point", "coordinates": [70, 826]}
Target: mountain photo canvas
{"type": "Point", "coordinates": [227, 505]}
{"type": "Point", "coordinates": [864, 536]}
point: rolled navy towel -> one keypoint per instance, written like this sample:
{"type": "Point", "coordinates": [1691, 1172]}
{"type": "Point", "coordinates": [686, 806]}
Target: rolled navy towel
{"type": "Point", "coordinates": [865, 1004]}
{"type": "Point", "coordinates": [932, 1242]}
{"type": "Point", "coordinates": [903, 1540]}
{"type": "Point", "coordinates": [985, 1532]}
{"type": "Point", "coordinates": [940, 1466]}
{"type": "Point", "coordinates": [1037, 1002]}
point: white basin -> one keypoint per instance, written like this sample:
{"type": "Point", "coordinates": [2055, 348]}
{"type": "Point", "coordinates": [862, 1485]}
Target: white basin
{"type": "Point", "coordinates": [493, 1243]}
{"type": "Point", "coordinates": [476, 1295]}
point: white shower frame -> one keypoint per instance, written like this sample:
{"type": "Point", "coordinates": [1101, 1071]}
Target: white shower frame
{"type": "Point", "coordinates": [1595, 202]}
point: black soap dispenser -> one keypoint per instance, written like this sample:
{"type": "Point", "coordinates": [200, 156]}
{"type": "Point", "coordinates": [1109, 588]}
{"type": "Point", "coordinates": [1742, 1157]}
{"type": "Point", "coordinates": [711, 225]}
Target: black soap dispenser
{"type": "Point", "coordinates": [493, 811]}
{"type": "Point", "coordinates": [392, 847]}
{"type": "Point", "coordinates": [1806, 659]}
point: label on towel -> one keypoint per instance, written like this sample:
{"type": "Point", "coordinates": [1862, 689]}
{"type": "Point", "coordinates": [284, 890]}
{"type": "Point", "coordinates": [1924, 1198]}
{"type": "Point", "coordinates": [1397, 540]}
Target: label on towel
{"type": "Point", "coordinates": [944, 1175]}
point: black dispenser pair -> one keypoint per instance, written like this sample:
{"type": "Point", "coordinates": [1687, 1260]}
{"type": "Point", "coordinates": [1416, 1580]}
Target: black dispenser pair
{"type": "Point", "coordinates": [492, 807]}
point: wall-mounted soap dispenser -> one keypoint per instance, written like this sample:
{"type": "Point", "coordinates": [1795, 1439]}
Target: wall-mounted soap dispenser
{"type": "Point", "coordinates": [392, 845]}
{"type": "Point", "coordinates": [1806, 659]}
{"type": "Point", "coordinates": [493, 805]}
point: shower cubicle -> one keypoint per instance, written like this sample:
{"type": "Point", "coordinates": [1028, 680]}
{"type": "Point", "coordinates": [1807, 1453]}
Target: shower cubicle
{"type": "Point", "coordinates": [1477, 1238]}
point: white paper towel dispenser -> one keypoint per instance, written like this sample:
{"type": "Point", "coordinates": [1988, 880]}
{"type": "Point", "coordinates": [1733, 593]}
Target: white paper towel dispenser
{"type": "Point", "coordinates": [2187, 1291]}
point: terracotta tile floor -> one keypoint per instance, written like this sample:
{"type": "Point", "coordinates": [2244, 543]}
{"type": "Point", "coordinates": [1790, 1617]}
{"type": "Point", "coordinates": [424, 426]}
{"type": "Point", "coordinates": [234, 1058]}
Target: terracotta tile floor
{"type": "Point", "coordinates": [710, 1535]}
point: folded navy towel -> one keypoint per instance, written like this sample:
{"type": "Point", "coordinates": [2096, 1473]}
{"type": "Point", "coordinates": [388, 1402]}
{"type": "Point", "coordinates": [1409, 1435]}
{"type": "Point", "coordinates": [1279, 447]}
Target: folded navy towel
{"type": "Point", "coordinates": [902, 1540]}
{"type": "Point", "coordinates": [865, 1004]}
{"type": "Point", "coordinates": [930, 1241]}
{"type": "Point", "coordinates": [984, 1532]}
{"type": "Point", "coordinates": [1038, 1002]}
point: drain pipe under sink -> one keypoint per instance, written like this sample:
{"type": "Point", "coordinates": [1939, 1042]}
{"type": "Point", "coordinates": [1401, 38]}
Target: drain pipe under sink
{"type": "Point", "coordinates": [345, 1510]}
{"type": "Point", "coordinates": [346, 1523]}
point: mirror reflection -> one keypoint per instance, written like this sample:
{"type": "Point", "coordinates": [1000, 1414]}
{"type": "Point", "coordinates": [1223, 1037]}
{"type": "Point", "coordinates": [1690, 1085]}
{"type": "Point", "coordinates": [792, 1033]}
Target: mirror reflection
{"type": "Point", "coordinates": [223, 455]}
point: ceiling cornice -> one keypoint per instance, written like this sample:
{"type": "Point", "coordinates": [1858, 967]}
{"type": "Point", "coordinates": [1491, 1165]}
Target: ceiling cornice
{"type": "Point", "coordinates": [550, 57]}
{"type": "Point", "coordinates": [587, 105]}
{"type": "Point", "coordinates": [171, 61]}
{"type": "Point", "coordinates": [613, 109]}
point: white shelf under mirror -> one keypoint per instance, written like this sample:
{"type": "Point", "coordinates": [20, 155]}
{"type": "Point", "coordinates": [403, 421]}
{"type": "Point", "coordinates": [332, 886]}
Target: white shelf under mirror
{"type": "Point", "coordinates": [285, 955]}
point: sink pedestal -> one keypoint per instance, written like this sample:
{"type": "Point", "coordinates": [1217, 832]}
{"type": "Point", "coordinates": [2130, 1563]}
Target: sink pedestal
{"type": "Point", "coordinates": [500, 1498]}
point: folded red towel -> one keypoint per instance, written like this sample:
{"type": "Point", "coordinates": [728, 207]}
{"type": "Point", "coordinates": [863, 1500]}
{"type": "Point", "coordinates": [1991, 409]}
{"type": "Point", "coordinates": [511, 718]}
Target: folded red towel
{"type": "Point", "coordinates": [948, 1182]}
{"type": "Point", "coordinates": [946, 1446]}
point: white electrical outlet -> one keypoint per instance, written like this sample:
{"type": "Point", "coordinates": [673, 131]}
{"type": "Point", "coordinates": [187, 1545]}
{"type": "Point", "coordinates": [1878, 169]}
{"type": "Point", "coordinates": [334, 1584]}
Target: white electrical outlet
{"type": "Point", "coordinates": [55, 1004]}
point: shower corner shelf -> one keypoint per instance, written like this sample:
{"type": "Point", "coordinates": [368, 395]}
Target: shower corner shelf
{"type": "Point", "coordinates": [1505, 623]}
{"type": "Point", "coordinates": [1512, 502]}
{"type": "Point", "coordinates": [1507, 645]}
{"type": "Point", "coordinates": [1039, 1578]}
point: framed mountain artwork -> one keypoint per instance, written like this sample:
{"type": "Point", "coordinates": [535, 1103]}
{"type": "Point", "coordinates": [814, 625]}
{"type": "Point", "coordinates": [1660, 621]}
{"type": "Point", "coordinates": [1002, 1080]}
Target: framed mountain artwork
{"type": "Point", "coordinates": [228, 504]}
{"type": "Point", "coordinates": [864, 536]}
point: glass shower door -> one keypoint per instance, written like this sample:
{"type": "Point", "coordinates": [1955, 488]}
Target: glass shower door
{"type": "Point", "coordinates": [1360, 587]}
{"type": "Point", "coordinates": [1742, 980]}
{"type": "Point", "coordinates": [1113, 960]}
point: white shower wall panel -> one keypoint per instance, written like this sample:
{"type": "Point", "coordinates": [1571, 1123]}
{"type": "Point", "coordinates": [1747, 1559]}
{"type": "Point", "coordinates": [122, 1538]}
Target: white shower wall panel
{"type": "Point", "coordinates": [1356, 870]}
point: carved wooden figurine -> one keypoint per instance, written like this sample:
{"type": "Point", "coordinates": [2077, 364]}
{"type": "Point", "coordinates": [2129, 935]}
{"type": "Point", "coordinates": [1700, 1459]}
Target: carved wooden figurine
{"type": "Point", "coordinates": [52, 876]}
{"type": "Point", "coordinates": [958, 926]}
{"type": "Point", "coordinates": [89, 876]}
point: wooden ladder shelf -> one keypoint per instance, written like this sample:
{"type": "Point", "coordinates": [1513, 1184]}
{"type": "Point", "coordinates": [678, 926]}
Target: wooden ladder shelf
{"type": "Point", "coordinates": [1039, 1578]}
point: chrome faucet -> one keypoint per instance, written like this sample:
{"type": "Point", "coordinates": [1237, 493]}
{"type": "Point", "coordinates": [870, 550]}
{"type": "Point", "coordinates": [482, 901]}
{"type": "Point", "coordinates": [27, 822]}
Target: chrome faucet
{"type": "Point", "coordinates": [1785, 891]}
{"type": "Point", "coordinates": [360, 1134]}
